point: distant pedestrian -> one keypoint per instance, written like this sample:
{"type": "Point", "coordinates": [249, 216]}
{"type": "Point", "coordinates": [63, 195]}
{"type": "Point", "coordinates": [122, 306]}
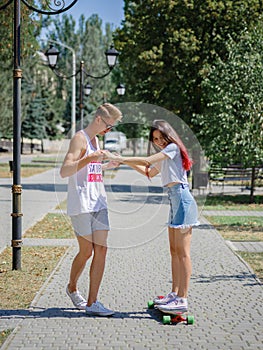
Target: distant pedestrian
{"type": "Point", "coordinates": [172, 161]}
{"type": "Point", "coordinates": [87, 206]}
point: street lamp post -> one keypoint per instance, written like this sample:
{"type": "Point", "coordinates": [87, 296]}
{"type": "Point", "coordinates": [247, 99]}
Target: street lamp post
{"type": "Point", "coordinates": [73, 102]}
{"type": "Point", "coordinates": [111, 55]}
{"type": "Point", "coordinates": [59, 7]}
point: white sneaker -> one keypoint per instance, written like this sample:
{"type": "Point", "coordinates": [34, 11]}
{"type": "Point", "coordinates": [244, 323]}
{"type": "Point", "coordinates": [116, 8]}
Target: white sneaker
{"type": "Point", "coordinates": [98, 309]}
{"type": "Point", "coordinates": [177, 305]}
{"type": "Point", "coordinates": [165, 300]}
{"type": "Point", "coordinates": [77, 299]}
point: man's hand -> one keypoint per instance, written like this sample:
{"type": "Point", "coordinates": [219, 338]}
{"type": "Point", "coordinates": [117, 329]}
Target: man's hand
{"type": "Point", "coordinates": [99, 155]}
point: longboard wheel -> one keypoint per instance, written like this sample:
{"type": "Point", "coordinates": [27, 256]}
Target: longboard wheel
{"type": "Point", "coordinates": [166, 319]}
{"type": "Point", "coordinates": [150, 304]}
{"type": "Point", "coordinates": [190, 320]}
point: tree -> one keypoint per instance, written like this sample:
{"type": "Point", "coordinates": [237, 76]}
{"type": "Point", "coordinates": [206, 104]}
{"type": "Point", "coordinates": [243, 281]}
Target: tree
{"type": "Point", "coordinates": [34, 124]}
{"type": "Point", "coordinates": [90, 44]}
{"type": "Point", "coordinates": [29, 29]}
{"type": "Point", "coordinates": [231, 125]}
{"type": "Point", "coordinates": [167, 47]}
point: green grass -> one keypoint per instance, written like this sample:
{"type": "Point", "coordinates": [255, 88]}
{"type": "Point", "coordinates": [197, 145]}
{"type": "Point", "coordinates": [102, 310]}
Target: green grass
{"type": "Point", "coordinates": [18, 288]}
{"type": "Point", "coordinates": [247, 222]}
{"type": "Point", "coordinates": [56, 226]}
{"type": "Point", "coordinates": [44, 160]}
{"type": "Point", "coordinates": [238, 228]}
{"type": "Point", "coordinates": [4, 334]}
{"type": "Point", "coordinates": [233, 202]}
{"type": "Point", "coordinates": [27, 170]}
{"type": "Point", "coordinates": [255, 260]}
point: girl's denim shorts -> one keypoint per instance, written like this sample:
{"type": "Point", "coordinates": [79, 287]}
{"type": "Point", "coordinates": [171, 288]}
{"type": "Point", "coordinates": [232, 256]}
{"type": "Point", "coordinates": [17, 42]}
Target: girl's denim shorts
{"type": "Point", "coordinates": [183, 208]}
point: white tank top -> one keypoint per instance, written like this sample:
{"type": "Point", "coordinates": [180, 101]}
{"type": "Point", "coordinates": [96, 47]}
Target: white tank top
{"type": "Point", "coordinates": [86, 192]}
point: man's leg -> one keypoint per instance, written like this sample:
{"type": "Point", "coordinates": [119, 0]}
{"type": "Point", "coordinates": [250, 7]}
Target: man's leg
{"type": "Point", "coordinates": [79, 262]}
{"type": "Point", "coordinates": [98, 264]}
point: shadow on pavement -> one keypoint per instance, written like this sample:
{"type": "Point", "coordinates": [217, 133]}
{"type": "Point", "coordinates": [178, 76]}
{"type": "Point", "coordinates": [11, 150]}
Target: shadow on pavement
{"type": "Point", "coordinates": [39, 312]}
{"type": "Point", "coordinates": [249, 278]}
{"type": "Point", "coordinates": [133, 188]}
{"type": "Point", "coordinates": [42, 187]}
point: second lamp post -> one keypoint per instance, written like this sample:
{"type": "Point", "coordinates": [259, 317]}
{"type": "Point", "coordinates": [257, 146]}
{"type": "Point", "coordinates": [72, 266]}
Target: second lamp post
{"type": "Point", "coordinates": [111, 55]}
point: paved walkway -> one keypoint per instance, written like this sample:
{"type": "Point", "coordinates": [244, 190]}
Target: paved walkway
{"type": "Point", "coordinates": [225, 297]}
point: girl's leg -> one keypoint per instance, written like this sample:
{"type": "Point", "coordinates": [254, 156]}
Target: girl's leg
{"type": "Point", "coordinates": [180, 243]}
{"type": "Point", "coordinates": [174, 261]}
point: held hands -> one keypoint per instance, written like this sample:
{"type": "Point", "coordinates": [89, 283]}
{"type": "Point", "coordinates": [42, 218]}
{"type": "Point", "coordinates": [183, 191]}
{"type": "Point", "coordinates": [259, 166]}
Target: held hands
{"type": "Point", "coordinates": [111, 165]}
{"type": "Point", "coordinates": [99, 155]}
{"type": "Point", "coordinates": [113, 157]}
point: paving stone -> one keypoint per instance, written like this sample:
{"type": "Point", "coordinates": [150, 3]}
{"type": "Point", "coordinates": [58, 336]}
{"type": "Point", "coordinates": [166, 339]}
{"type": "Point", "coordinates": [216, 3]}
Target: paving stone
{"type": "Point", "coordinates": [225, 298]}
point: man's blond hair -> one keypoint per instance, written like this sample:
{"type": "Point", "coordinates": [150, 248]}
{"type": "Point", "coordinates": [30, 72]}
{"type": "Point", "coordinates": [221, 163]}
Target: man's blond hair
{"type": "Point", "coordinates": [107, 110]}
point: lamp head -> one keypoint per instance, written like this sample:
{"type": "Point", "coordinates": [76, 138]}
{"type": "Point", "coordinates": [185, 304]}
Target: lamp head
{"type": "Point", "coordinates": [120, 89]}
{"type": "Point", "coordinates": [52, 56]}
{"type": "Point", "coordinates": [111, 55]}
{"type": "Point", "coordinates": [87, 89]}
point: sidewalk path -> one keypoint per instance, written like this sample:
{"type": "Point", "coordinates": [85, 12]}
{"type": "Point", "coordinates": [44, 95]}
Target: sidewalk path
{"type": "Point", "coordinates": [225, 297]}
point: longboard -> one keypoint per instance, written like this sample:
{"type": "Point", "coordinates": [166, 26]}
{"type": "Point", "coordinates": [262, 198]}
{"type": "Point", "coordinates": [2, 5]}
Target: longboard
{"type": "Point", "coordinates": [177, 317]}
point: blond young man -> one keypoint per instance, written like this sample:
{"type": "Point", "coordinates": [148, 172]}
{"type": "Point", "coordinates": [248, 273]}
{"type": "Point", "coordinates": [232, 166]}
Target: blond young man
{"type": "Point", "coordinates": [87, 206]}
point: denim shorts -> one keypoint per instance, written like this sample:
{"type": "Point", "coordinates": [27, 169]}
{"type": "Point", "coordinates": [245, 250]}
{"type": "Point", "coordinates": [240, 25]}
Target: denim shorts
{"type": "Point", "coordinates": [87, 223]}
{"type": "Point", "coordinates": [183, 208]}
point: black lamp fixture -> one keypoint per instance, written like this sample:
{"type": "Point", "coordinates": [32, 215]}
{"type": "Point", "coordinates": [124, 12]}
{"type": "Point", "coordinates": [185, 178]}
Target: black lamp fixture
{"type": "Point", "coordinates": [52, 55]}
{"type": "Point", "coordinates": [87, 89]}
{"type": "Point", "coordinates": [111, 56]}
{"type": "Point", "coordinates": [120, 89]}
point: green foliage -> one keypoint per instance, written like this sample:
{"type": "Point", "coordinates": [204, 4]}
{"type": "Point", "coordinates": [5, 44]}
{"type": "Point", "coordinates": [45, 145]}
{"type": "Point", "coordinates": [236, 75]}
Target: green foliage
{"type": "Point", "coordinates": [89, 43]}
{"type": "Point", "coordinates": [33, 126]}
{"type": "Point", "coordinates": [231, 125]}
{"type": "Point", "coordinates": [168, 46]}
{"type": "Point", "coordinates": [6, 106]}
{"type": "Point", "coordinates": [29, 28]}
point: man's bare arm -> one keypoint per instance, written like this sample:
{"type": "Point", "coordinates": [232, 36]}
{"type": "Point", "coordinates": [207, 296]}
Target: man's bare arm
{"type": "Point", "coordinates": [75, 158]}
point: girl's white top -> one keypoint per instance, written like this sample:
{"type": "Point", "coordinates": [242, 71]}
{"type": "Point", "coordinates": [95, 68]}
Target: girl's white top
{"type": "Point", "coordinates": [172, 167]}
{"type": "Point", "coordinates": [86, 192]}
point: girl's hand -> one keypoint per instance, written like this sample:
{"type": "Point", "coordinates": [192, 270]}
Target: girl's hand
{"type": "Point", "coordinates": [112, 164]}
{"type": "Point", "coordinates": [113, 156]}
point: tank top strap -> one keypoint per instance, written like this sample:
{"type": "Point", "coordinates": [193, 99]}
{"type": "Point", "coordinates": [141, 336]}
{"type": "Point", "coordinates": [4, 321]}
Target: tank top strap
{"type": "Point", "coordinates": [86, 135]}
{"type": "Point", "coordinates": [90, 146]}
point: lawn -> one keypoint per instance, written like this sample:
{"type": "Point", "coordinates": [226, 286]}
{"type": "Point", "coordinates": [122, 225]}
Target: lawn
{"type": "Point", "coordinates": [233, 202]}
{"type": "Point", "coordinates": [37, 264]}
{"type": "Point", "coordinates": [52, 226]}
{"type": "Point", "coordinates": [238, 228]}
{"type": "Point", "coordinates": [27, 170]}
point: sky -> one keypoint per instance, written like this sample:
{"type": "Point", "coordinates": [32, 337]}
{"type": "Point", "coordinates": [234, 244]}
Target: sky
{"type": "Point", "coordinates": [108, 10]}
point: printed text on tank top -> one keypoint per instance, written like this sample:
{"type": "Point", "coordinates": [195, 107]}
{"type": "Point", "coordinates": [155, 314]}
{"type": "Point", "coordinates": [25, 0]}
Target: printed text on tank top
{"type": "Point", "coordinates": [94, 168]}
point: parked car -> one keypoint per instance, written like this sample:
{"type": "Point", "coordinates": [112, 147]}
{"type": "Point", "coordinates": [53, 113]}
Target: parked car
{"type": "Point", "coordinates": [115, 141]}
